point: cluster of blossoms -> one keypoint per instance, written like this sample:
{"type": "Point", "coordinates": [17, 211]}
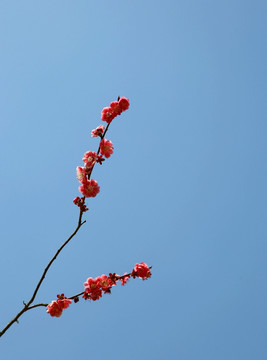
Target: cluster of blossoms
{"type": "Point", "coordinates": [89, 187]}
{"type": "Point", "coordinates": [115, 108]}
{"type": "Point", "coordinates": [57, 306]}
{"type": "Point", "coordinates": [94, 288]}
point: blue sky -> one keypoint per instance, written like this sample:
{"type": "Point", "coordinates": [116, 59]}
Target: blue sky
{"type": "Point", "coordinates": [184, 191]}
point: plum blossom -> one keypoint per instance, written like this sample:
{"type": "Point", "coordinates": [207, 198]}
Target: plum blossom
{"type": "Point", "coordinates": [141, 270]}
{"type": "Point", "coordinates": [56, 307]}
{"type": "Point", "coordinates": [107, 115]}
{"type": "Point", "coordinates": [92, 289]}
{"type": "Point", "coordinates": [90, 158]}
{"type": "Point", "coordinates": [89, 188]}
{"type": "Point", "coordinates": [81, 174]}
{"type": "Point", "coordinates": [124, 103]}
{"type": "Point", "coordinates": [98, 131]}
{"type": "Point", "coordinates": [115, 108]}
{"type": "Point", "coordinates": [106, 283]}
{"type": "Point", "coordinates": [106, 147]}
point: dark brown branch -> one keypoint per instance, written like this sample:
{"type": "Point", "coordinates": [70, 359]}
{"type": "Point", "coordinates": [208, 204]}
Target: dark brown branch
{"type": "Point", "coordinates": [80, 223]}
{"type": "Point", "coordinates": [27, 306]}
{"type": "Point", "coordinates": [13, 320]}
{"type": "Point", "coordinates": [34, 306]}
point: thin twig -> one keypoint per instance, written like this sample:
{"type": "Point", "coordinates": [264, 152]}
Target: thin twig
{"type": "Point", "coordinates": [34, 306]}
{"type": "Point", "coordinates": [54, 258]}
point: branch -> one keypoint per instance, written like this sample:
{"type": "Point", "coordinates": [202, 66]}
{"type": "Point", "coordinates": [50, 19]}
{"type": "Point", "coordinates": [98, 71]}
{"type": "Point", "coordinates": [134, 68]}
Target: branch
{"type": "Point", "coordinates": [80, 223]}
{"type": "Point", "coordinates": [27, 306]}
{"type": "Point", "coordinates": [116, 109]}
{"type": "Point", "coordinates": [34, 306]}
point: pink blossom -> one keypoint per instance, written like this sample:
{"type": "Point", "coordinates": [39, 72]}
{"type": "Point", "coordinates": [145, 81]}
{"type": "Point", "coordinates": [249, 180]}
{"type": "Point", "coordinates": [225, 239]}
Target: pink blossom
{"type": "Point", "coordinates": [90, 158]}
{"type": "Point", "coordinates": [106, 148]}
{"type": "Point", "coordinates": [55, 308]}
{"type": "Point", "coordinates": [92, 289]}
{"type": "Point", "coordinates": [98, 131]}
{"type": "Point", "coordinates": [89, 188]}
{"type": "Point", "coordinates": [81, 174]}
{"type": "Point", "coordinates": [107, 114]}
{"type": "Point", "coordinates": [91, 284]}
{"type": "Point", "coordinates": [141, 270]}
{"type": "Point", "coordinates": [115, 106]}
{"type": "Point", "coordinates": [95, 295]}
{"type": "Point", "coordinates": [105, 282]}
{"type": "Point", "coordinates": [63, 301]}
{"type": "Point", "coordinates": [124, 103]}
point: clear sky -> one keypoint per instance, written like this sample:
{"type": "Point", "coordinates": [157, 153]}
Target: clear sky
{"type": "Point", "coordinates": [184, 191]}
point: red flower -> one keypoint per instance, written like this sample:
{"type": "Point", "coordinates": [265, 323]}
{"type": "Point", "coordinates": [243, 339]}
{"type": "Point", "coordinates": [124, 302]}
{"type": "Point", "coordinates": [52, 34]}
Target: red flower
{"type": "Point", "coordinates": [124, 103]}
{"type": "Point", "coordinates": [107, 114]}
{"type": "Point", "coordinates": [81, 174]}
{"type": "Point", "coordinates": [56, 307]}
{"type": "Point", "coordinates": [106, 283]}
{"type": "Point", "coordinates": [115, 107]}
{"type": "Point", "coordinates": [95, 295]}
{"type": "Point", "coordinates": [141, 270]}
{"type": "Point", "coordinates": [106, 148]}
{"type": "Point", "coordinates": [89, 188]}
{"type": "Point", "coordinates": [89, 159]}
{"type": "Point", "coordinates": [92, 289]}
{"type": "Point", "coordinates": [98, 131]}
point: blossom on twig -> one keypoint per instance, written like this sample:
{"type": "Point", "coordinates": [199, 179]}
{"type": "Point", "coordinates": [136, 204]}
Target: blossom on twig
{"type": "Point", "coordinates": [142, 271]}
{"type": "Point", "coordinates": [106, 148]}
{"type": "Point", "coordinates": [98, 131]}
{"type": "Point", "coordinates": [56, 307]}
{"type": "Point", "coordinates": [89, 188]}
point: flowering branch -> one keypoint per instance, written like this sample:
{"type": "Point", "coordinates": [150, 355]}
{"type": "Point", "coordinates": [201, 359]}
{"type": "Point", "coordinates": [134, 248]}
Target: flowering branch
{"type": "Point", "coordinates": [94, 288]}
{"type": "Point", "coordinates": [124, 278]}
